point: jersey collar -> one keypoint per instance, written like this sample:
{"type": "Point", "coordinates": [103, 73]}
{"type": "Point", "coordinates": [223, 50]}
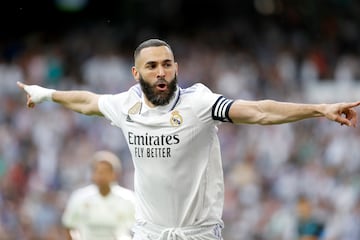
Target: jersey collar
{"type": "Point", "coordinates": [163, 109]}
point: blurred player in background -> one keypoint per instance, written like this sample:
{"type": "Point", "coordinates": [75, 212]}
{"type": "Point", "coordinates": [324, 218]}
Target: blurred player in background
{"type": "Point", "coordinates": [103, 210]}
{"type": "Point", "coordinates": [172, 136]}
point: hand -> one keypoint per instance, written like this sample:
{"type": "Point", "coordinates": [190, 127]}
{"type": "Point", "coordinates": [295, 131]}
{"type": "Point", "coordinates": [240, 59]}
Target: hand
{"type": "Point", "coordinates": [36, 94]}
{"type": "Point", "coordinates": [343, 113]}
{"type": "Point", "coordinates": [29, 101]}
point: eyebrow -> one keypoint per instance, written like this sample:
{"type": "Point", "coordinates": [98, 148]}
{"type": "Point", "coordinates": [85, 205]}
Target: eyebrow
{"type": "Point", "coordinates": [154, 62]}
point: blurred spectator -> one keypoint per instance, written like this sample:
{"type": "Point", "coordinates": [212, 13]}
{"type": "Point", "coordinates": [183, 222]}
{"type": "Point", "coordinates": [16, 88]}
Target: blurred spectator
{"type": "Point", "coordinates": [309, 227]}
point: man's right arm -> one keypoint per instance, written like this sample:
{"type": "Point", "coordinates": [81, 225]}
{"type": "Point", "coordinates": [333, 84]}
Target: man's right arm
{"type": "Point", "coordinates": [84, 102]}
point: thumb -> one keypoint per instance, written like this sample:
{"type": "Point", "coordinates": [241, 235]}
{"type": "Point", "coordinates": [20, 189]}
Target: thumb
{"type": "Point", "coordinates": [343, 121]}
{"type": "Point", "coordinates": [20, 85]}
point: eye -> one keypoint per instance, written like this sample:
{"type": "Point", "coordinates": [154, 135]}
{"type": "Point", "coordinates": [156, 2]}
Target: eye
{"type": "Point", "coordinates": [151, 66]}
{"type": "Point", "coordinates": [168, 64]}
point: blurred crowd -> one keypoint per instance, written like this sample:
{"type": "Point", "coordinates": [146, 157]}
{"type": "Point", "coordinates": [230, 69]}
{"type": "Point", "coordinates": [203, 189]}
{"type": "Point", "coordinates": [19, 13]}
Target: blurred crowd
{"type": "Point", "coordinates": [272, 173]}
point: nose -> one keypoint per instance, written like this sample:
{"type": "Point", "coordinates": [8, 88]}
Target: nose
{"type": "Point", "coordinates": [161, 72]}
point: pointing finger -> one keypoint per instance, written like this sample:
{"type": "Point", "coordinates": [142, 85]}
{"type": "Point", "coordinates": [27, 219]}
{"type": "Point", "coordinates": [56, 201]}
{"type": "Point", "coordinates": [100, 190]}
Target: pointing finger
{"type": "Point", "coordinates": [21, 85]}
{"type": "Point", "coordinates": [354, 104]}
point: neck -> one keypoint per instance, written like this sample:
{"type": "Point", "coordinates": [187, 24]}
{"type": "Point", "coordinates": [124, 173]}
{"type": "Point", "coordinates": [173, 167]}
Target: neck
{"type": "Point", "coordinates": [104, 190]}
{"type": "Point", "coordinates": [148, 103]}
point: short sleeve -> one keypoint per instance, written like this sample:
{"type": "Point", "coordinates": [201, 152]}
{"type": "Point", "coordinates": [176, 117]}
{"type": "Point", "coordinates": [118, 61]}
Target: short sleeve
{"type": "Point", "coordinates": [108, 107]}
{"type": "Point", "coordinates": [208, 105]}
{"type": "Point", "coordinates": [220, 109]}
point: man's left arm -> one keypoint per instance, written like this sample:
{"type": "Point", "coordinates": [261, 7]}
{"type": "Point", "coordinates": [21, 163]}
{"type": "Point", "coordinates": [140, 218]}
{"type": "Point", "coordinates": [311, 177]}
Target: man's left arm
{"type": "Point", "coordinates": [266, 112]}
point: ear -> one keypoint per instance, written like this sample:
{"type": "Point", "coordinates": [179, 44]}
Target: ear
{"type": "Point", "coordinates": [176, 68]}
{"type": "Point", "coordinates": [135, 73]}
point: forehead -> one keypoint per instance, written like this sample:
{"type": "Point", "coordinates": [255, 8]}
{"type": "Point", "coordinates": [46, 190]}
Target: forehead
{"type": "Point", "coordinates": [103, 165]}
{"type": "Point", "coordinates": [154, 54]}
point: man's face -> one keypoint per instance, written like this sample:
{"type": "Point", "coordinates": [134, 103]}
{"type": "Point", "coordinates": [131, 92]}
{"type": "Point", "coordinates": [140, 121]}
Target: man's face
{"type": "Point", "coordinates": [103, 174]}
{"type": "Point", "coordinates": [156, 71]}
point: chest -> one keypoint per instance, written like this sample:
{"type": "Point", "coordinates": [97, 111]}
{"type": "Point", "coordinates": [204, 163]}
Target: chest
{"type": "Point", "coordinates": [109, 212]}
{"type": "Point", "coordinates": [153, 135]}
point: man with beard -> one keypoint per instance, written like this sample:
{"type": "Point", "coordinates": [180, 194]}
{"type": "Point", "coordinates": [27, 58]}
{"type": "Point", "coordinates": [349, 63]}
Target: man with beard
{"type": "Point", "coordinates": [172, 136]}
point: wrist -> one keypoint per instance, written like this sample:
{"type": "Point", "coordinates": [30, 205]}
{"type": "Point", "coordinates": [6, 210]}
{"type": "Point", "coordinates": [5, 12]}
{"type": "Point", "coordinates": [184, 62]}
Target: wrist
{"type": "Point", "coordinates": [320, 110]}
{"type": "Point", "coordinates": [39, 94]}
{"type": "Point", "coordinates": [48, 94]}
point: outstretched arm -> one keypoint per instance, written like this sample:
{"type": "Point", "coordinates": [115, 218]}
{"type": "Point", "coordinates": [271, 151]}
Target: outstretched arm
{"type": "Point", "coordinates": [84, 102]}
{"type": "Point", "coordinates": [266, 112]}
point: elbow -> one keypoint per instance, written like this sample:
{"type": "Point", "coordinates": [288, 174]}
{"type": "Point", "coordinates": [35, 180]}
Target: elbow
{"type": "Point", "coordinates": [264, 114]}
{"type": "Point", "coordinates": [275, 120]}
{"type": "Point", "coordinates": [268, 122]}
{"type": "Point", "coordinates": [259, 119]}
{"type": "Point", "coordinates": [91, 107]}
{"type": "Point", "coordinates": [265, 120]}
{"type": "Point", "coordinates": [90, 112]}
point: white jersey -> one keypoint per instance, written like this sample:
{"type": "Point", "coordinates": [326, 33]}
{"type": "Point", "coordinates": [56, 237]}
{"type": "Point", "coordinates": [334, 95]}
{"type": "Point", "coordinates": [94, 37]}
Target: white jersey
{"type": "Point", "coordinates": [176, 154]}
{"type": "Point", "coordinates": [94, 216]}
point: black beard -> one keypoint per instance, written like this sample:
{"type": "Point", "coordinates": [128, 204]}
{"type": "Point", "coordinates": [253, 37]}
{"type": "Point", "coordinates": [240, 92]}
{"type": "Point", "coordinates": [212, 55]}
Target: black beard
{"type": "Point", "coordinates": [155, 97]}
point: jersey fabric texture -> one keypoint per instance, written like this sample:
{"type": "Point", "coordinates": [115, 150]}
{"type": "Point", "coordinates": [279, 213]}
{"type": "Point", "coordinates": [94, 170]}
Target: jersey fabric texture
{"type": "Point", "coordinates": [178, 178]}
{"type": "Point", "coordinates": [94, 216]}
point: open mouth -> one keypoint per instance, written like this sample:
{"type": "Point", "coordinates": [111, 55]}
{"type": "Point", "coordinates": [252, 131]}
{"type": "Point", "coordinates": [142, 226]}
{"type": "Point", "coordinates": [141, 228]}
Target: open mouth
{"type": "Point", "coordinates": [161, 86]}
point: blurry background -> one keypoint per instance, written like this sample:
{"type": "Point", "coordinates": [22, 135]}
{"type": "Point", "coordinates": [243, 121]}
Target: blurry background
{"type": "Point", "coordinates": [281, 181]}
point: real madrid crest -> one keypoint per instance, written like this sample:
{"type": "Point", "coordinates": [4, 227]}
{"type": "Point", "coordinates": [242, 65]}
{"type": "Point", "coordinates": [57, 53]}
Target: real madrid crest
{"type": "Point", "coordinates": [176, 119]}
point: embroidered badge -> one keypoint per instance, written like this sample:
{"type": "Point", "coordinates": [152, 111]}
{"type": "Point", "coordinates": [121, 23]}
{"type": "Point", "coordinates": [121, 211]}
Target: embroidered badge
{"type": "Point", "coordinates": [176, 119]}
{"type": "Point", "coordinates": [135, 109]}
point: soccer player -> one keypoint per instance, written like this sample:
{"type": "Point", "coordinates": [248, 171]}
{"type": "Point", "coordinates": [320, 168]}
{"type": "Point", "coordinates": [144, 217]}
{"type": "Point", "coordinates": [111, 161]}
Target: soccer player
{"type": "Point", "coordinates": [172, 136]}
{"type": "Point", "coordinates": [102, 210]}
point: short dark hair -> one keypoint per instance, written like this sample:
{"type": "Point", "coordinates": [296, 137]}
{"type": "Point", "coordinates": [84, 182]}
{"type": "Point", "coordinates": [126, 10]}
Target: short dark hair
{"type": "Point", "coordinates": [150, 43]}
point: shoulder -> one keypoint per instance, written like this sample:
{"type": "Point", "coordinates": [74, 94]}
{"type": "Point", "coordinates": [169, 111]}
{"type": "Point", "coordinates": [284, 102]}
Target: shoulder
{"type": "Point", "coordinates": [115, 106]}
{"type": "Point", "coordinates": [133, 94]}
{"type": "Point", "coordinates": [197, 88]}
{"type": "Point", "coordinates": [84, 192]}
{"type": "Point", "coordinates": [200, 94]}
{"type": "Point", "coordinates": [124, 193]}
